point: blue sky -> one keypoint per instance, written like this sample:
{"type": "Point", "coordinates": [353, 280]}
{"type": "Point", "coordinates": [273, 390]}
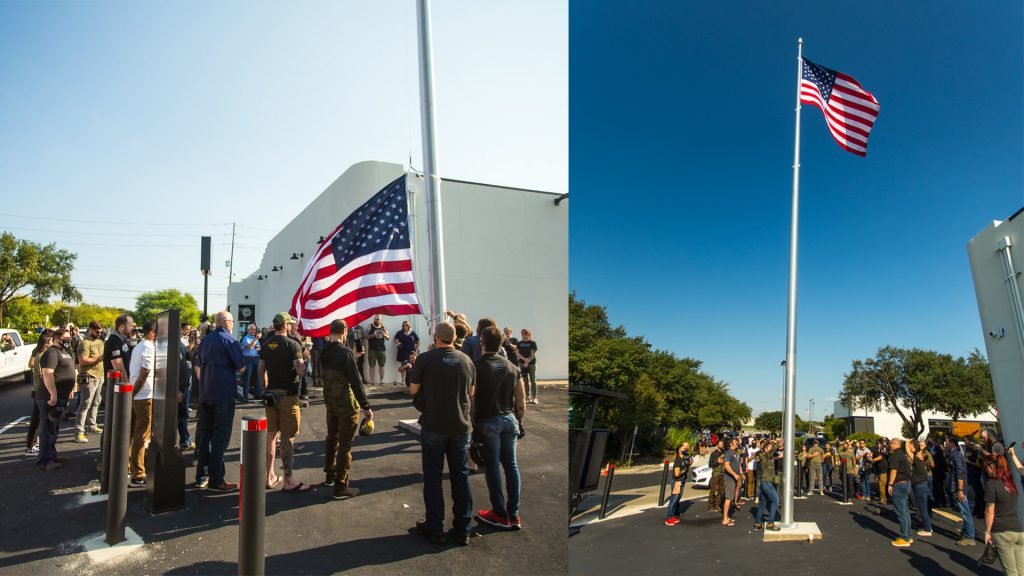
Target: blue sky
{"type": "Point", "coordinates": [681, 152]}
{"type": "Point", "coordinates": [130, 129]}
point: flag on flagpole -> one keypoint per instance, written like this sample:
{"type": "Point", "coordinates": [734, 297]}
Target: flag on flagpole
{"type": "Point", "coordinates": [850, 110]}
{"type": "Point", "coordinates": [363, 268]}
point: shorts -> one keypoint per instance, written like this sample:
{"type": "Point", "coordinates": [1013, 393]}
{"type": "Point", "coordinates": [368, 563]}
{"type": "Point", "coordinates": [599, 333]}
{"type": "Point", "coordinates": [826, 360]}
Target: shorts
{"type": "Point", "coordinates": [730, 488]}
{"type": "Point", "coordinates": [284, 417]}
{"type": "Point", "coordinates": [377, 357]}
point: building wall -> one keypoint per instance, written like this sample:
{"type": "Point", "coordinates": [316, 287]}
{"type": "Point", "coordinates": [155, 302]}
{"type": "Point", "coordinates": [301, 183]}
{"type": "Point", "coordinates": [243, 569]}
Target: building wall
{"type": "Point", "coordinates": [505, 249]}
{"type": "Point", "coordinates": [889, 424]}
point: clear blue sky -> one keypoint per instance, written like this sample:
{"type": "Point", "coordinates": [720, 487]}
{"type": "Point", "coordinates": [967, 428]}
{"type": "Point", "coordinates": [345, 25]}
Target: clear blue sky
{"type": "Point", "coordinates": [130, 129]}
{"type": "Point", "coordinates": [681, 153]}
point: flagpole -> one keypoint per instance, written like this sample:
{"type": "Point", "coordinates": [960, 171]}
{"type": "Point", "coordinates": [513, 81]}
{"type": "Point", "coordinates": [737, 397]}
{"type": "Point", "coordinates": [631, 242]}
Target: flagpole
{"type": "Point", "coordinates": [788, 419]}
{"type": "Point", "coordinates": [430, 176]}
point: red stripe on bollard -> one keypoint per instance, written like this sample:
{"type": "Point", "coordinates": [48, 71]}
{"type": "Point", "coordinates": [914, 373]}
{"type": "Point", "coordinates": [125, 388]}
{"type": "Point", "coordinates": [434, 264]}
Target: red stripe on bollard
{"type": "Point", "coordinates": [122, 387]}
{"type": "Point", "coordinates": [114, 374]}
{"type": "Point", "coordinates": [254, 425]}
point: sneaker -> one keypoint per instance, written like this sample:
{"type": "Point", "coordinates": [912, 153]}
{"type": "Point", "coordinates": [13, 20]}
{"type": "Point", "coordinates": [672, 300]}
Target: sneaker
{"type": "Point", "coordinates": [497, 520]}
{"type": "Point", "coordinates": [924, 533]}
{"type": "Point", "coordinates": [517, 524]}
{"type": "Point", "coordinates": [421, 527]}
{"type": "Point", "coordinates": [33, 451]}
{"type": "Point", "coordinates": [225, 487]}
{"type": "Point", "coordinates": [343, 492]}
{"type": "Point", "coordinates": [772, 526]}
{"type": "Point", "coordinates": [49, 466]}
{"type": "Point", "coordinates": [330, 480]}
{"type": "Point", "coordinates": [901, 543]}
{"type": "Point", "coordinates": [460, 538]}
{"type": "Point", "coordinates": [671, 521]}
{"type": "Point", "coordinates": [966, 542]}
{"type": "Point", "coordinates": [203, 483]}
{"type": "Point", "coordinates": [758, 525]}
{"type": "Point", "coordinates": [138, 481]}
{"type": "Point", "coordinates": [81, 438]}
{"type": "Point", "coordinates": [95, 430]}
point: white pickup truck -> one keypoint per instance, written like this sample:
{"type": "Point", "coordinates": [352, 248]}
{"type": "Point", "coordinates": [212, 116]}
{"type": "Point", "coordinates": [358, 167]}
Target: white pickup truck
{"type": "Point", "coordinates": [14, 361]}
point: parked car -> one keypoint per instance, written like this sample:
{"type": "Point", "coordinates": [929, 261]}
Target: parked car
{"type": "Point", "coordinates": [14, 360]}
{"type": "Point", "coordinates": [700, 477]}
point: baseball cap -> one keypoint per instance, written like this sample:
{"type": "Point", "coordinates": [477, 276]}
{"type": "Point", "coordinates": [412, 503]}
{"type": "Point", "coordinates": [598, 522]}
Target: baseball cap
{"type": "Point", "coordinates": [282, 318]}
{"type": "Point", "coordinates": [366, 428]}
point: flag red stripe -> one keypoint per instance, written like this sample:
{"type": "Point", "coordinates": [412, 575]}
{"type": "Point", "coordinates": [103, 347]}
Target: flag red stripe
{"type": "Point", "coordinates": [359, 294]}
{"type": "Point", "coordinates": [371, 268]}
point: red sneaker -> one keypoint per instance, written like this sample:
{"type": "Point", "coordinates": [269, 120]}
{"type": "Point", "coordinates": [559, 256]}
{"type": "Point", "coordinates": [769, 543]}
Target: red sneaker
{"type": "Point", "coordinates": [494, 519]}
{"type": "Point", "coordinates": [515, 523]}
{"type": "Point", "coordinates": [672, 521]}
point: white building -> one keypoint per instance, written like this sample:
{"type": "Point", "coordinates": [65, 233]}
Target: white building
{"type": "Point", "coordinates": [505, 250]}
{"type": "Point", "coordinates": [889, 424]}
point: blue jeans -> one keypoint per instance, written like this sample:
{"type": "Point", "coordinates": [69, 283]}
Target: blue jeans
{"type": "Point", "coordinates": [48, 430]}
{"type": "Point", "coordinates": [184, 438]}
{"type": "Point", "coordinates": [965, 513]}
{"type": "Point", "coordinates": [901, 504]}
{"type": "Point", "coordinates": [213, 434]}
{"type": "Point", "coordinates": [768, 498]}
{"type": "Point", "coordinates": [500, 438]}
{"type": "Point", "coordinates": [865, 486]}
{"type": "Point", "coordinates": [435, 448]}
{"type": "Point", "coordinates": [251, 378]}
{"type": "Point", "coordinates": [921, 494]}
{"type": "Point", "coordinates": [673, 504]}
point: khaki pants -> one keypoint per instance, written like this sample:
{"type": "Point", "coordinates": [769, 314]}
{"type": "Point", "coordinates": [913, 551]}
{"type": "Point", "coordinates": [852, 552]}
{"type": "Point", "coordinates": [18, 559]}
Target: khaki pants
{"type": "Point", "coordinates": [883, 487]}
{"type": "Point", "coordinates": [715, 492]}
{"type": "Point", "coordinates": [284, 418]}
{"type": "Point", "coordinates": [341, 430]}
{"type": "Point", "coordinates": [1010, 546]}
{"type": "Point", "coordinates": [142, 428]}
{"type": "Point", "coordinates": [91, 395]}
{"type": "Point", "coordinates": [751, 481]}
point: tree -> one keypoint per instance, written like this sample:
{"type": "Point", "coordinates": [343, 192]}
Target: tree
{"type": "Point", "coordinates": [149, 304]}
{"type": "Point", "coordinates": [772, 422]}
{"type": "Point", "coordinates": [31, 270]}
{"type": "Point", "coordinates": [909, 382]}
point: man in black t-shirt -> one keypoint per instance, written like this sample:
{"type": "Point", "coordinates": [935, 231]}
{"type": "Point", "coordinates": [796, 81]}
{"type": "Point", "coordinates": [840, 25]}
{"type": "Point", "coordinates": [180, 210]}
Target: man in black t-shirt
{"type": "Point", "coordinates": [499, 405]}
{"type": "Point", "coordinates": [344, 397]}
{"type": "Point", "coordinates": [117, 354]}
{"type": "Point", "coordinates": [441, 384]}
{"type": "Point", "coordinates": [281, 366]}
{"type": "Point", "coordinates": [899, 473]}
{"type": "Point", "coordinates": [57, 368]}
{"type": "Point", "coordinates": [526, 349]}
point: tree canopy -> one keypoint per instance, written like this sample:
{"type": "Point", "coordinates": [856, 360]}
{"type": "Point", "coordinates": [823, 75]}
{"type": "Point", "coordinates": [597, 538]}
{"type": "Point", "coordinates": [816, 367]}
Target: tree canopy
{"type": "Point", "coordinates": [36, 271]}
{"type": "Point", "coordinates": [912, 381]}
{"type": "Point", "coordinates": [772, 422]}
{"type": "Point", "coordinates": [149, 304]}
{"type": "Point", "coordinates": [664, 390]}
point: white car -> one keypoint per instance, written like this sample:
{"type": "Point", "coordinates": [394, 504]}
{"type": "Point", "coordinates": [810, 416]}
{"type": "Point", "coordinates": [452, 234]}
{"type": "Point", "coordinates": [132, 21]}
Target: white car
{"type": "Point", "coordinates": [700, 477]}
{"type": "Point", "coordinates": [14, 361]}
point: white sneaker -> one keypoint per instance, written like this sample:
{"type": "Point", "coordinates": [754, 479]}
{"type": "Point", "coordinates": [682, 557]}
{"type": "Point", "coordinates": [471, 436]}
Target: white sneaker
{"type": "Point", "coordinates": [923, 533]}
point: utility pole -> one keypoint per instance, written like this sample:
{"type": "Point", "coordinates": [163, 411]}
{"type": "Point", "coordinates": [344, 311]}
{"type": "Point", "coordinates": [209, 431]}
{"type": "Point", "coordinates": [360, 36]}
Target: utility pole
{"type": "Point", "coordinates": [231, 262]}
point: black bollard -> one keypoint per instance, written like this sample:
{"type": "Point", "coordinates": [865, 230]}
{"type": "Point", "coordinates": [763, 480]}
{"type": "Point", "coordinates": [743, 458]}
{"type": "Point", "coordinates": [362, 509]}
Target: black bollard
{"type": "Point", "coordinates": [117, 476]}
{"type": "Point", "coordinates": [252, 497]}
{"type": "Point", "coordinates": [664, 481]}
{"type": "Point", "coordinates": [112, 377]}
{"type": "Point", "coordinates": [607, 491]}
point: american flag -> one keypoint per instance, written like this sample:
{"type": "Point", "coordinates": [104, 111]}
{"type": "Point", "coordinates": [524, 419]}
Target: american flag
{"type": "Point", "coordinates": [850, 110]}
{"type": "Point", "coordinates": [363, 268]}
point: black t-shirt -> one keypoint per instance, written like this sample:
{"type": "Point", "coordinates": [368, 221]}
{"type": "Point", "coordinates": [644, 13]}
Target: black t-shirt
{"type": "Point", "coordinates": [683, 464]}
{"type": "Point", "coordinates": [277, 355]}
{"type": "Point", "coordinates": [882, 465]}
{"type": "Point", "coordinates": [495, 386]}
{"type": "Point", "coordinates": [1006, 519]}
{"type": "Point", "coordinates": [116, 347]}
{"type": "Point", "coordinates": [445, 376]}
{"type": "Point", "coordinates": [63, 364]}
{"type": "Point", "coordinates": [899, 464]}
{"type": "Point", "coordinates": [920, 471]}
{"type": "Point", "coordinates": [376, 338]}
{"type": "Point", "coordinates": [525, 347]}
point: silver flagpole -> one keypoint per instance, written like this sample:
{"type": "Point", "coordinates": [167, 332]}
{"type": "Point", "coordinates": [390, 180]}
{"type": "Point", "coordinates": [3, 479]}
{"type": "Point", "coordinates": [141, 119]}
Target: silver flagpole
{"type": "Point", "coordinates": [430, 176]}
{"type": "Point", "coordinates": [788, 420]}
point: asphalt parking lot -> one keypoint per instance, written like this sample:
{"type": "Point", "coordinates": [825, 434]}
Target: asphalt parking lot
{"type": "Point", "coordinates": [45, 519]}
{"type": "Point", "coordinates": [855, 539]}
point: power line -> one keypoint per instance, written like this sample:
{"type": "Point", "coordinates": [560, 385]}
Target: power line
{"type": "Point", "coordinates": [91, 221]}
{"type": "Point", "coordinates": [92, 233]}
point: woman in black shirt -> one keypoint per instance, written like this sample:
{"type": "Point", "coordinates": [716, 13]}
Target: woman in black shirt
{"type": "Point", "coordinates": [1002, 526]}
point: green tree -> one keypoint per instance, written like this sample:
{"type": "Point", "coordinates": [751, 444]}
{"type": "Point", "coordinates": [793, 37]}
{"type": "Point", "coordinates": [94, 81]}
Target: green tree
{"type": "Point", "coordinates": [24, 314]}
{"type": "Point", "coordinates": [149, 304]}
{"type": "Point", "coordinates": [772, 422]}
{"type": "Point", "coordinates": [36, 271]}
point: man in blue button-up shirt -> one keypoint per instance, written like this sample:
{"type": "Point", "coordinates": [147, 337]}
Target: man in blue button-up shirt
{"type": "Point", "coordinates": [956, 479]}
{"type": "Point", "coordinates": [218, 358]}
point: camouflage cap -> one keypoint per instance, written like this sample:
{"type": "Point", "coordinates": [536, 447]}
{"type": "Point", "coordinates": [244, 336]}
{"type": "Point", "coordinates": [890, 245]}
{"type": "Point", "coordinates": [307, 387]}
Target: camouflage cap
{"type": "Point", "coordinates": [282, 318]}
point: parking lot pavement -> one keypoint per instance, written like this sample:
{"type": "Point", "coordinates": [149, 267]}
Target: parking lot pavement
{"type": "Point", "coordinates": [856, 540]}
{"type": "Point", "coordinates": [45, 516]}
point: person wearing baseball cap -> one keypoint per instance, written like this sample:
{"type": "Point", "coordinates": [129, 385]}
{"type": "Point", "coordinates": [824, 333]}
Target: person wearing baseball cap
{"type": "Point", "coordinates": [281, 366]}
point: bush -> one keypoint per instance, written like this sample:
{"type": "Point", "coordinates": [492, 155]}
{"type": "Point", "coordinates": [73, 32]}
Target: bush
{"type": "Point", "coordinates": [869, 438]}
{"type": "Point", "coordinates": [676, 436]}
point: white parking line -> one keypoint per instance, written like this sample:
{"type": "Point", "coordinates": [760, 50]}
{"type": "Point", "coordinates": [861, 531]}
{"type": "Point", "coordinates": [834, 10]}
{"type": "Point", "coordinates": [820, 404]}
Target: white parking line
{"type": "Point", "coordinates": [12, 424]}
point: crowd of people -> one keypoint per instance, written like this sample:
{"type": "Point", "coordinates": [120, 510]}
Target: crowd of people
{"type": "Point", "coordinates": [471, 386]}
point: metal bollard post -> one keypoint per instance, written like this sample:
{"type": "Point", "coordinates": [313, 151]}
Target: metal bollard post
{"type": "Point", "coordinates": [607, 491]}
{"type": "Point", "coordinates": [664, 481]}
{"type": "Point", "coordinates": [117, 476]}
{"type": "Point", "coordinates": [252, 497]}
{"type": "Point", "coordinates": [108, 418]}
